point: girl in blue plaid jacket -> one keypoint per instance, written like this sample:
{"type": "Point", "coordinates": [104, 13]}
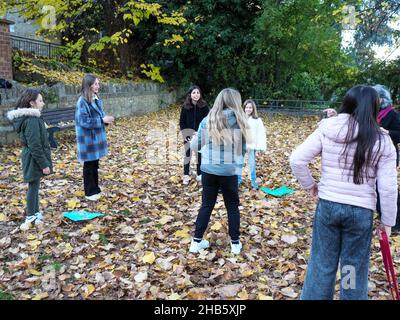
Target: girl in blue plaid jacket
{"type": "Point", "coordinates": [90, 121]}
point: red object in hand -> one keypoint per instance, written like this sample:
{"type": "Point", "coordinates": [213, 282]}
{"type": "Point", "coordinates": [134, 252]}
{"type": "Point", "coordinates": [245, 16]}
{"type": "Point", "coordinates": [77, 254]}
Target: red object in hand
{"type": "Point", "coordinates": [387, 261]}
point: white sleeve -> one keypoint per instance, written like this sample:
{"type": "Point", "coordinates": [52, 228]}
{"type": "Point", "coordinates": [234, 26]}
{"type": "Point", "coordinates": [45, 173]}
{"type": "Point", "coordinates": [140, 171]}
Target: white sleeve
{"type": "Point", "coordinates": [261, 136]}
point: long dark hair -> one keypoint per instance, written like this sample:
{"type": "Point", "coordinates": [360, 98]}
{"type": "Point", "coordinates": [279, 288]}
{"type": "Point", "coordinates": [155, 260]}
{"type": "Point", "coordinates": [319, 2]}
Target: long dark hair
{"type": "Point", "coordinates": [188, 100]}
{"type": "Point", "coordinates": [24, 101]}
{"type": "Point", "coordinates": [87, 82]}
{"type": "Point", "coordinates": [362, 103]}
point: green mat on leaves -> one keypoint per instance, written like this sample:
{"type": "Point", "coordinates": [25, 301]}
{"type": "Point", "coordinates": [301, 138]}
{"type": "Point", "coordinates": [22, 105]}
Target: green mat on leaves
{"type": "Point", "coordinates": [277, 192]}
{"type": "Point", "coordinates": [82, 215]}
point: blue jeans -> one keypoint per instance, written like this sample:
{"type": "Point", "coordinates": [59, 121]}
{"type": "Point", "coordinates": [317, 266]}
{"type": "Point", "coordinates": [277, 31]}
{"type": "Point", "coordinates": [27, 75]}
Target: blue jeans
{"type": "Point", "coordinates": [252, 166]}
{"type": "Point", "coordinates": [342, 233]}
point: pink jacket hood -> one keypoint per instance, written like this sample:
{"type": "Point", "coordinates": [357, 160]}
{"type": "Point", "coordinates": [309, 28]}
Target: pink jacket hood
{"type": "Point", "coordinates": [336, 128]}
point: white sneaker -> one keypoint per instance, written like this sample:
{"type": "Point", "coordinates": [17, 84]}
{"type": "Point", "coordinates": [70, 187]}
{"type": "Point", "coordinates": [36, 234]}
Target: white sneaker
{"type": "Point", "coordinates": [197, 246]}
{"type": "Point", "coordinates": [236, 247]}
{"type": "Point", "coordinates": [198, 178]}
{"type": "Point", "coordinates": [39, 218]}
{"type": "Point", "coordinates": [94, 197]}
{"type": "Point", "coordinates": [186, 179]}
{"type": "Point", "coordinates": [27, 223]}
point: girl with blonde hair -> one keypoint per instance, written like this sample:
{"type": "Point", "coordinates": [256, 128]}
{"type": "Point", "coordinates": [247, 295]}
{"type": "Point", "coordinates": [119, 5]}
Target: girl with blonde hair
{"type": "Point", "coordinates": [221, 139]}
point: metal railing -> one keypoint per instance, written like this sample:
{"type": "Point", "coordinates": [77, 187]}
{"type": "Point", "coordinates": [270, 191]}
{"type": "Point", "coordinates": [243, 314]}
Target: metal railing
{"type": "Point", "coordinates": [295, 104]}
{"type": "Point", "coordinates": [37, 47]}
{"type": "Point", "coordinates": [298, 107]}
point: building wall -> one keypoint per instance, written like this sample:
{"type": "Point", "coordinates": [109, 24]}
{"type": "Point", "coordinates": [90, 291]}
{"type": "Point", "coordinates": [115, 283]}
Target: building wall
{"type": "Point", "coordinates": [23, 28]}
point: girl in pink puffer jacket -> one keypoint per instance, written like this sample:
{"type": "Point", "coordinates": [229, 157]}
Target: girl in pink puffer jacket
{"type": "Point", "coordinates": [356, 154]}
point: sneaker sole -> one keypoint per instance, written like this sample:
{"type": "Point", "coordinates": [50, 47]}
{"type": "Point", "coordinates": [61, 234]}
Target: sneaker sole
{"type": "Point", "coordinates": [93, 199]}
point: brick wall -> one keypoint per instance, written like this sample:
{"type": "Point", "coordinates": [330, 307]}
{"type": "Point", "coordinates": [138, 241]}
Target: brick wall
{"type": "Point", "coordinates": [5, 50]}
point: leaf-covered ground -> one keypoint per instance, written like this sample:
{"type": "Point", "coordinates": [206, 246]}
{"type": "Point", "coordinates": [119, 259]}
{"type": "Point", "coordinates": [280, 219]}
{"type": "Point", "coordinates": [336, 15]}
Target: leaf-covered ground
{"type": "Point", "coordinates": [139, 250]}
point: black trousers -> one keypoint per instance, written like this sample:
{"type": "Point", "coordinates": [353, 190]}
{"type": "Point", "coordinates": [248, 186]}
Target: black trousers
{"type": "Point", "coordinates": [91, 177]}
{"type": "Point", "coordinates": [188, 156]}
{"type": "Point", "coordinates": [229, 187]}
{"type": "Point", "coordinates": [32, 197]}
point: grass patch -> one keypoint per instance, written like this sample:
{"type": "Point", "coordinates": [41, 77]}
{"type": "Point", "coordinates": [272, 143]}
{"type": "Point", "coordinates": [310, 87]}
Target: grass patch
{"type": "Point", "coordinates": [145, 220]}
{"type": "Point", "coordinates": [6, 296]}
{"type": "Point", "coordinates": [56, 265]}
{"type": "Point", "coordinates": [124, 212]}
{"type": "Point", "coordinates": [103, 238]}
{"type": "Point", "coordinates": [44, 257]}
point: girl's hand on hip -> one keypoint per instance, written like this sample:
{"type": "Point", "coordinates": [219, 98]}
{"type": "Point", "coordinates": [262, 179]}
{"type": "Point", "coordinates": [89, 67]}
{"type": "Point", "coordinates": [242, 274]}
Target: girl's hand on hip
{"type": "Point", "coordinates": [46, 170]}
{"type": "Point", "coordinates": [313, 191]}
{"type": "Point", "coordinates": [387, 229]}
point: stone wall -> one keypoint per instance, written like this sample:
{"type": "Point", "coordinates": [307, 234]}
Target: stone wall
{"type": "Point", "coordinates": [120, 100]}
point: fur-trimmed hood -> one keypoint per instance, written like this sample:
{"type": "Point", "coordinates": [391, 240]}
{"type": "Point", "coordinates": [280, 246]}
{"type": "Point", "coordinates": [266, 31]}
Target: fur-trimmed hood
{"type": "Point", "coordinates": [18, 116]}
{"type": "Point", "coordinates": [27, 112]}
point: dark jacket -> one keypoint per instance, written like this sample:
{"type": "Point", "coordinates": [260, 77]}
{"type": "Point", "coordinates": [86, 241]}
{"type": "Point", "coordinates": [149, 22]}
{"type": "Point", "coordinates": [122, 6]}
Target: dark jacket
{"type": "Point", "coordinates": [32, 132]}
{"type": "Point", "coordinates": [392, 123]}
{"type": "Point", "coordinates": [191, 118]}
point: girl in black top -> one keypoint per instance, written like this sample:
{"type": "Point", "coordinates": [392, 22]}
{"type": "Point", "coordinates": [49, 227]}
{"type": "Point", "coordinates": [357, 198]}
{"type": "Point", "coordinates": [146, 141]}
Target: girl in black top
{"type": "Point", "coordinates": [194, 110]}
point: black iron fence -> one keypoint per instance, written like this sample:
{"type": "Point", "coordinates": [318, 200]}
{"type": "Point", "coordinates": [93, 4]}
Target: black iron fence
{"type": "Point", "coordinates": [37, 47]}
{"type": "Point", "coordinates": [295, 104]}
{"type": "Point", "coordinates": [294, 107]}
